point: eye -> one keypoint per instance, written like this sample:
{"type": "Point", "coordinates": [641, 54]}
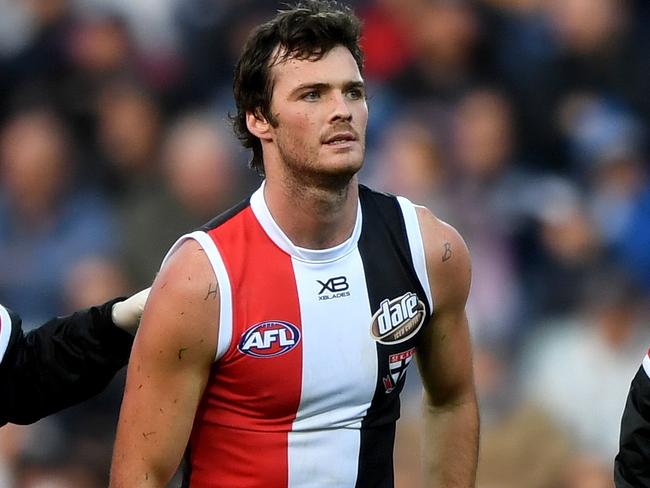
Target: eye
{"type": "Point", "coordinates": [356, 93]}
{"type": "Point", "coordinates": [311, 95]}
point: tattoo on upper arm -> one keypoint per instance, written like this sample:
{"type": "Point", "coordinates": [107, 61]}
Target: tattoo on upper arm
{"type": "Point", "coordinates": [211, 291]}
{"type": "Point", "coordinates": [447, 253]}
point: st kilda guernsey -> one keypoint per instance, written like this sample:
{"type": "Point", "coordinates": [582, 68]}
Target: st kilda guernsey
{"type": "Point", "coordinates": [313, 349]}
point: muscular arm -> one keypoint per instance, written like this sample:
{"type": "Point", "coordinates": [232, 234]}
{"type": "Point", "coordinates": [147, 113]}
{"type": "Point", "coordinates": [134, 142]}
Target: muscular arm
{"type": "Point", "coordinates": [445, 362]}
{"type": "Point", "coordinates": [63, 362]}
{"type": "Point", "coordinates": [170, 362]}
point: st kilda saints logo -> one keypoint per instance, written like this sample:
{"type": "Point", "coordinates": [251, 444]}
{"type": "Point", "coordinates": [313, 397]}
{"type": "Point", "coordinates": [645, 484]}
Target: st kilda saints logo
{"type": "Point", "coordinates": [269, 339]}
{"type": "Point", "coordinates": [397, 320]}
{"type": "Point", "coordinates": [397, 366]}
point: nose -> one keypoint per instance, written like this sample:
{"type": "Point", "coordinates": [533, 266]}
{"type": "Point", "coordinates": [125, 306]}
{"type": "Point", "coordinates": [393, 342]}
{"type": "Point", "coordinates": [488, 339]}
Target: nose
{"type": "Point", "coordinates": [341, 109]}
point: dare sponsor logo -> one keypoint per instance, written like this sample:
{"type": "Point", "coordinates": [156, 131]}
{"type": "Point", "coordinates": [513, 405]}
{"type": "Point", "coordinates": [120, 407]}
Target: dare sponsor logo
{"type": "Point", "coordinates": [269, 339]}
{"type": "Point", "coordinates": [397, 320]}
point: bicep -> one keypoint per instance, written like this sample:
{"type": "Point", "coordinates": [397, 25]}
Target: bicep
{"type": "Point", "coordinates": [170, 362]}
{"type": "Point", "coordinates": [444, 358]}
{"type": "Point", "coordinates": [444, 351]}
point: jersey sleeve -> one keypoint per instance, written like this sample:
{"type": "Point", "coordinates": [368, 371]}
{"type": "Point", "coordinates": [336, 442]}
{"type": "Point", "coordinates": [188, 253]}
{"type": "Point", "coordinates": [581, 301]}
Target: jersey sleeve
{"type": "Point", "coordinates": [61, 363]}
{"type": "Point", "coordinates": [632, 464]}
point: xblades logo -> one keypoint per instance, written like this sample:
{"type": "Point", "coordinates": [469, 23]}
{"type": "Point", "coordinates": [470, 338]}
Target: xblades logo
{"type": "Point", "coordinates": [336, 287]}
{"type": "Point", "coordinates": [340, 283]}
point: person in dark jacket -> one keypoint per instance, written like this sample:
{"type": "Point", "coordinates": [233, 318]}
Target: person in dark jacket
{"type": "Point", "coordinates": [64, 361]}
{"type": "Point", "coordinates": [632, 463]}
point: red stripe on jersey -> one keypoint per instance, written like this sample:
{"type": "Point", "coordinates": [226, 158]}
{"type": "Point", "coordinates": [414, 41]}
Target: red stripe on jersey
{"type": "Point", "coordinates": [240, 434]}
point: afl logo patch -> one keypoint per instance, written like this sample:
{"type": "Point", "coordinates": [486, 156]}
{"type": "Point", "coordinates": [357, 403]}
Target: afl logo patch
{"type": "Point", "coordinates": [269, 339]}
{"type": "Point", "coordinates": [397, 320]}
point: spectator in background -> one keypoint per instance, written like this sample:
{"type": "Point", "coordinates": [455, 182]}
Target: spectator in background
{"type": "Point", "coordinates": [522, 446]}
{"type": "Point", "coordinates": [128, 139]}
{"type": "Point", "coordinates": [46, 224]}
{"type": "Point", "coordinates": [565, 251]}
{"type": "Point", "coordinates": [604, 142]}
{"type": "Point", "coordinates": [446, 39]}
{"type": "Point", "coordinates": [387, 41]}
{"type": "Point", "coordinates": [587, 472]}
{"type": "Point", "coordinates": [634, 253]}
{"type": "Point", "coordinates": [489, 203]}
{"type": "Point", "coordinates": [199, 179]}
{"type": "Point", "coordinates": [77, 475]}
{"type": "Point", "coordinates": [38, 64]}
{"type": "Point", "coordinates": [212, 34]}
{"type": "Point", "coordinates": [422, 173]}
{"type": "Point", "coordinates": [100, 48]}
{"type": "Point", "coordinates": [91, 279]}
{"type": "Point", "coordinates": [579, 367]}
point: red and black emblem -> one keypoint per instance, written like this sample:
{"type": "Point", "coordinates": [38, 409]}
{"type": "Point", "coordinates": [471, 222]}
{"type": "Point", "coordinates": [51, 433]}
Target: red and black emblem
{"type": "Point", "coordinates": [397, 365]}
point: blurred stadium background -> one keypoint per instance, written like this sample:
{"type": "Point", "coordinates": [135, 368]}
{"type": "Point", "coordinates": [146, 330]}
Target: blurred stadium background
{"type": "Point", "coordinates": [524, 123]}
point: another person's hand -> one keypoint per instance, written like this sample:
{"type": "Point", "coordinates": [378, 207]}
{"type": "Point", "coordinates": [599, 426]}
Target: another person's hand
{"type": "Point", "coordinates": [126, 314]}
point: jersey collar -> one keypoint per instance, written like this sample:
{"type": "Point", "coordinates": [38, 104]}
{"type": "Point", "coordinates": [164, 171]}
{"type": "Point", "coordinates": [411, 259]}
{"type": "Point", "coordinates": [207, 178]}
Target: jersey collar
{"type": "Point", "coordinates": [277, 235]}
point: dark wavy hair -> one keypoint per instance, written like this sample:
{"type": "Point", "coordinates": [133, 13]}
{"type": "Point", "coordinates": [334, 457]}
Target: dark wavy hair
{"type": "Point", "coordinates": [308, 30]}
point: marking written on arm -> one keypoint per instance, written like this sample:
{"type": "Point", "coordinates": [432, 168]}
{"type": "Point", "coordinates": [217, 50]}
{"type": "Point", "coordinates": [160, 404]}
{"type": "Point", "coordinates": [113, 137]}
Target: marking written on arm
{"type": "Point", "coordinates": [447, 254]}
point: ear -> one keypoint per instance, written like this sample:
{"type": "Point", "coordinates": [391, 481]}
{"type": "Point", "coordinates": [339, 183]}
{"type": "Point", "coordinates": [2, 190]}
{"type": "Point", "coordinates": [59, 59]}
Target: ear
{"type": "Point", "coordinates": [258, 125]}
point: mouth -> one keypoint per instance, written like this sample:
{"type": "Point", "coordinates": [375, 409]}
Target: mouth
{"type": "Point", "coordinates": [340, 139]}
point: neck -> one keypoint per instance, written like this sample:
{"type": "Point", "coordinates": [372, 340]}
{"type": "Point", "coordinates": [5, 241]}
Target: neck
{"type": "Point", "coordinates": [313, 215]}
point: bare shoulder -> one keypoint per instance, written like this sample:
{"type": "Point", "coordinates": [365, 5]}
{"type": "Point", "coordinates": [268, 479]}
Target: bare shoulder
{"type": "Point", "coordinates": [188, 274]}
{"type": "Point", "coordinates": [448, 259]}
{"type": "Point", "coordinates": [183, 306]}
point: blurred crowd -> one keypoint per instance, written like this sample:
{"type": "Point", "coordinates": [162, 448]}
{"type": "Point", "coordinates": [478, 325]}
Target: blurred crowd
{"type": "Point", "coordinates": [523, 123]}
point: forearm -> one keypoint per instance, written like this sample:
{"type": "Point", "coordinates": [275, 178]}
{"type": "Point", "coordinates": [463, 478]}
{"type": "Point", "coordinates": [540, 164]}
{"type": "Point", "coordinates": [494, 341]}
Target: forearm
{"type": "Point", "coordinates": [155, 422]}
{"type": "Point", "coordinates": [133, 466]}
{"type": "Point", "coordinates": [451, 443]}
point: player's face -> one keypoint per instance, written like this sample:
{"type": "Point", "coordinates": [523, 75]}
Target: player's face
{"type": "Point", "coordinates": [321, 114]}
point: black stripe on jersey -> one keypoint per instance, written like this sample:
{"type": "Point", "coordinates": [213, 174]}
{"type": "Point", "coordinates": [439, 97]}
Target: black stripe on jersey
{"type": "Point", "coordinates": [389, 273]}
{"type": "Point", "coordinates": [225, 216]}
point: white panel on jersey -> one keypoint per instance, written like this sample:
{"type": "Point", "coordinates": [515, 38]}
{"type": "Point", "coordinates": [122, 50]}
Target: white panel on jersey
{"type": "Point", "coordinates": [417, 246]}
{"type": "Point", "coordinates": [5, 331]}
{"type": "Point", "coordinates": [339, 371]}
{"type": "Point", "coordinates": [318, 463]}
{"type": "Point", "coordinates": [225, 293]}
{"type": "Point", "coordinates": [646, 364]}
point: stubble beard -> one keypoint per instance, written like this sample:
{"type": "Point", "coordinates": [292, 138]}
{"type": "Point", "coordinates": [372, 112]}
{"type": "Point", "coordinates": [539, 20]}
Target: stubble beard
{"type": "Point", "coordinates": [303, 170]}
